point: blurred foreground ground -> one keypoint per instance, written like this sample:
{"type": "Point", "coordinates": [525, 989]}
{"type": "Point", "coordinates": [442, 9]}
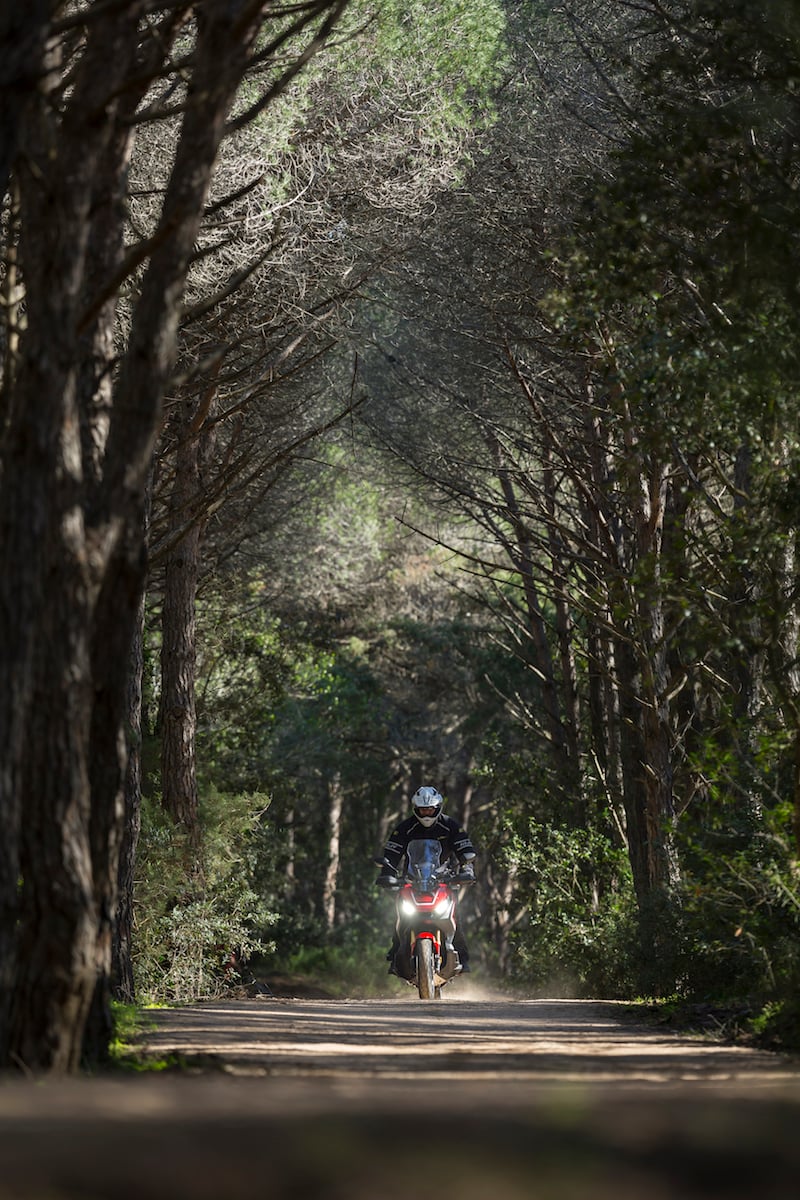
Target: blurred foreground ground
{"type": "Point", "coordinates": [484, 1098]}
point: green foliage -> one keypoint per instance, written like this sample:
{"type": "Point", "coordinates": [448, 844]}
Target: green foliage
{"type": "Point", "coordinates": [350, 965]}
{"type": "Point", "coordinates": [187, 928]}
{"type": "Point", "coordinates": [677, 255]}
{"type": "Point", "coordinates": [777, 1025]}
{"type": "Point", "coordinates": [350, 660]}
{"type": "Point", "coordinates": [674, 290]}
{"type": "Point", "coordinates": [130, 1021]}
{"type": "Point", "coordinates": [128, 1024]}
{"type": "Point", "coordinates": [460, 44]}
{"type": "Point", "coordinates": [244, 670]}
{"type": "Point", "coordinates": [581, 935]}
{"type": "Point", "coordinates": [677, 277]}
{"type": "Point", "coordinates": [741, 910]}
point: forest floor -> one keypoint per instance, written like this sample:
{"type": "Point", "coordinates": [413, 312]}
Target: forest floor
{"type": "Point", "coordinates": [476, 1094]}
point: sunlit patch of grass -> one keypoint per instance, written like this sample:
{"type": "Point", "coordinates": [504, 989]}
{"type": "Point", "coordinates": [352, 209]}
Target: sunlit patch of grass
{"type": "Point", "coordinates": [140, 1064]}
{"type": "Point", "coordinates": [130, 1021]}
{"type": "Point", "coordinates": [777, 1025]}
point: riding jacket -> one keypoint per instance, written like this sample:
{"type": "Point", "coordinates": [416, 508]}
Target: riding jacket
{"type": "Point", "coordinates": [445, 830]}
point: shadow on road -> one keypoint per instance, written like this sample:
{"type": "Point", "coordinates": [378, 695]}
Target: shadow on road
{"type": "Point", "coordinates": [357, 1100]}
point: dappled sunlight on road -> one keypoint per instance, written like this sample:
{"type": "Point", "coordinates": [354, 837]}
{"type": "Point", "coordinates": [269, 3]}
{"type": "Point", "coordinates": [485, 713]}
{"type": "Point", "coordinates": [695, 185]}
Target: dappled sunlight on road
{"type": "Point", "coordinates": [529, 1099]}
{"type": "Point", "coordinates": [548, 1041]}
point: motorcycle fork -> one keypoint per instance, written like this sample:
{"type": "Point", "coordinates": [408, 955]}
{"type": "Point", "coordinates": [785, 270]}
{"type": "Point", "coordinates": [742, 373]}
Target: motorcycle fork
{"type": "Point", "coordinates": [431, 937]}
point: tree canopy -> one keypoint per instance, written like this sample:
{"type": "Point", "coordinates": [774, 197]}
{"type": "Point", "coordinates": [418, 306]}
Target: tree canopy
{"type": "Point", "coordinates": [396, 394]}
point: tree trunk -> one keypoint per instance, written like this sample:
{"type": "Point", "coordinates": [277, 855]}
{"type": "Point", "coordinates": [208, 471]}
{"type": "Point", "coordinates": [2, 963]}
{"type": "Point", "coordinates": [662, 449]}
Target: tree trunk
{"type": "Point", "coordinates": [177, 713]}
{"type": "Point", "coordinates": [796, 793]}
{"type": "Point", "coordinates": [48, 646]}
{"type": "Point", "coordinates": [123, 983]}
{"type": "Point", "coordinates": [71, 542]}
{"type": "Point", "coordinates": [789, 640]}
{"type": "Point", "coordinates": [335, 806]}
{"type": "Point", "coordinates": [23, 35]}
{"type": "Point", "coordinates": [570, 697]}
{"type": "Point", "coordinates": [663, 872]}
{"type": "Point", "coordinates": [641, 656]}
{"type": "Point", "coordinates": [632, 769]}
{"type": "Point", "coordinates": [541, 655]}
{"type": "Point", "coordinates": [500, 891]}
{"type": "Point", "coordinates": [605, 722]}
{"type": "Point", "coordinates": [747, 669]}
{"type": "Point", "coordinates": [291, 852]}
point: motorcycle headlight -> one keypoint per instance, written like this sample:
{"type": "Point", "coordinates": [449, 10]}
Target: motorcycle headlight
{"type": "Point", "coordinates": [408, 908]}
{"type": "Point", "coordinates": [442, 908]}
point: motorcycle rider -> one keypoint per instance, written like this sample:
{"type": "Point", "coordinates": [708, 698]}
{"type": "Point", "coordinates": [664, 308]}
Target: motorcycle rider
{"type": "Point", "coordinates": [428, 821]}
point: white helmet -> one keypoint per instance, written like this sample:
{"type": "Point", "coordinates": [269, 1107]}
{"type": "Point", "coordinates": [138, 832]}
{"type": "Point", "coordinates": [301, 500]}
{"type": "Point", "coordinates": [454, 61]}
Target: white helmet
{"type": "Point", "coordinates": [427, 804]}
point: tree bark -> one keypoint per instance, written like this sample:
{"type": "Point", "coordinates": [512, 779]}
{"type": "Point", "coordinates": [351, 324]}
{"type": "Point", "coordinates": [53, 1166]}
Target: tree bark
{"type": "Point", "coordinates": [177, 712]}
{"type": "Point", "coordinates": [23, 35]}
{"type": "Point", "coordinates": [521, 554]}
{"type": "Point", "coordinates": [663, 872]}
{"type": "Point", "coordinates": [632, 768]}
{"type": "Point", "coordinates": [122, 976]}
{"type": "Point", "coordinates": [72, 563]}
{"type": "Point", "coordinates": [50, 645]}
{"type": "Point", "coordinates": [335, 807]}
{"type": "Point", "coordinates": [570, 697]}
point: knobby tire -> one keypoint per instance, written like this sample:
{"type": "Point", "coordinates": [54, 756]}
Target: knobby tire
{"type": "Point", "coordinates": [425, 970]}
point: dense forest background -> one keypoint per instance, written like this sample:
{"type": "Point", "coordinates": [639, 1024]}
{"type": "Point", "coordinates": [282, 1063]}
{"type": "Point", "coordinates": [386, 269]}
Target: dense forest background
{"type": "Point", "coordinates": [397, 394]}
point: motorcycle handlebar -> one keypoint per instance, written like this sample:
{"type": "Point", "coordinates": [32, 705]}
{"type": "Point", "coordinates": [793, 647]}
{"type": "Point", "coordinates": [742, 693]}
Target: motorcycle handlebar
{"type": "Point", "coordinates": [393, 884]}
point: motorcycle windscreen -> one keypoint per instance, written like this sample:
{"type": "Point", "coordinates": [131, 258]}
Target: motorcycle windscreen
{"type": "Point", "coordinates": [424, 860]}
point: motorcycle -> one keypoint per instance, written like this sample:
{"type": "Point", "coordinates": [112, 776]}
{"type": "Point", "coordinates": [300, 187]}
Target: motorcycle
{"type": "Point", "coordinates": [426, 917]}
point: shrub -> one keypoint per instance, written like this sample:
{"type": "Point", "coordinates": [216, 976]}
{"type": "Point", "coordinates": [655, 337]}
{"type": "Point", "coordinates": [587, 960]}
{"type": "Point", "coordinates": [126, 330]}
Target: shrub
{"type": "Point", "coordinates": [580, 938]}
{"type": "Point", "coordinates": [741, 915]}
{"type": "Point", "coordinates": [193, 934]}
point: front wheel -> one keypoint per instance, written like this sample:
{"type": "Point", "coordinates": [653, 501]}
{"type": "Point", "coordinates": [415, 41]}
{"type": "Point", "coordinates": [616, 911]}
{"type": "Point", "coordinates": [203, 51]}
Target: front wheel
{"type": "Point", "coordinates": [425, 970]}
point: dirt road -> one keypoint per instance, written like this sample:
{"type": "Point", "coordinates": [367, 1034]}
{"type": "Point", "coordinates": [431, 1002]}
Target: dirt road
{"type": "Point", "coordinates": [477, 1039]}
{"type": "Point", "coordinates": [487, 1098]}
